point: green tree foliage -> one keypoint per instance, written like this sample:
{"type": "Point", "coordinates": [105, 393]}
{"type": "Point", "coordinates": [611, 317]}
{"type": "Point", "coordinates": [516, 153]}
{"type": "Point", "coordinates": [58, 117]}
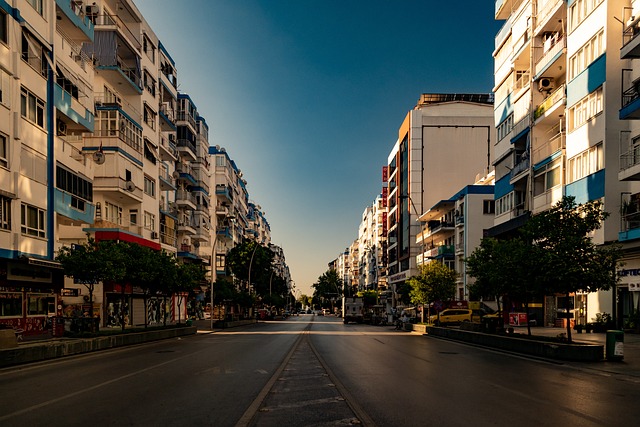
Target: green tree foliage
{"type": "Point", "coordinates": [252, 259]}
{"type": "Point", "coordinates": [328, 286]}
{"type": "Point", "coordinates": [573, 262]}
{"type": "Point", "coordinates": [435, 282]}
{"type": "Point", "coordinates": [554, 254]}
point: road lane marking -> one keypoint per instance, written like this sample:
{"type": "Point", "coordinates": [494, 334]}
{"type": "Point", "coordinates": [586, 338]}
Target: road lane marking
{"type": "Point", "coordinates": [85, 390]}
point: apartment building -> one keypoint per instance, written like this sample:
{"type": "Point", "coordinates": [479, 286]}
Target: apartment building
{"type": "Point", "coordinates": [444, 143]}
{"type": "Point", "coordinates": [559, 73]}
{"type": "Point", "coordinates": [231, 205]}
{"type": "Point", "coordinates": [453, 228]}
{"type": "Point", "coordinates": [372, 247]}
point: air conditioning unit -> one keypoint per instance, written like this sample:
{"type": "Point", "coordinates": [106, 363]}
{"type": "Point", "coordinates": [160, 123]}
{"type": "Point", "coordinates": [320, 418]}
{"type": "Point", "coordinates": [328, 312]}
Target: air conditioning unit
{"type": "Point", "coordinates": [61, 128]}
{"type": "Point", "coordinates": [130, 186]}
{"type": "Point", "coordinates": [154, 235]}
{"type": "Point", "coordinates": [545, 84]}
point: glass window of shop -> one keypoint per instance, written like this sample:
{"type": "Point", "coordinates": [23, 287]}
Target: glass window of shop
{"type": "Point", "coordinates": [40, 304]}
{"type": "Point", "coordinates": [10, 304]}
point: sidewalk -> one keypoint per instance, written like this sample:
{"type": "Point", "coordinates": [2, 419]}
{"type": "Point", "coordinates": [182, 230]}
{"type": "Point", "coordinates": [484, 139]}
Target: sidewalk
{"type": "Point", "coordinates": [630, 365]}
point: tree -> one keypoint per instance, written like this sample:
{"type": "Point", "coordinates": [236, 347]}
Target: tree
{"type": "Point", "coordinates": [189, 276]}
{"type": "Point", "coordinates": [435, 282]}
{"type": "Point", "coordinates": [573, 262]}
{"type": "Point", "coordinates": [250, 261]}
{"type": "Point", "coordinates": [507, 268]}
{"type": "Point", "coordinates": [91, 263]}
{"type": "Point", "coordinates": [328, 287]}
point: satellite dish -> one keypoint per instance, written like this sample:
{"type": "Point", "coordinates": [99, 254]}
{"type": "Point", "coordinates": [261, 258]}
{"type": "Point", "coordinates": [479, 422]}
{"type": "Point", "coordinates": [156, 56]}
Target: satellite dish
{"type": "Point", "coordinates": [130, 186]}
{"type": "Point", "coordinates": [176, 174]}
{"type": "Point", "coordinates": [98, 157]}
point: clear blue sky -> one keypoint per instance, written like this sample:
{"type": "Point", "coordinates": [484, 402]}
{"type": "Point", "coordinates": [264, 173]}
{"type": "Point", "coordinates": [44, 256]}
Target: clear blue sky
{"type": "Point", "coordinates": [307, 97]}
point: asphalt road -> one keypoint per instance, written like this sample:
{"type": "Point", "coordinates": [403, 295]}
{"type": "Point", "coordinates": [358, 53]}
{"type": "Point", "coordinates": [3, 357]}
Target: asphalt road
{"type": "Point", "coordinates": [309, 371]}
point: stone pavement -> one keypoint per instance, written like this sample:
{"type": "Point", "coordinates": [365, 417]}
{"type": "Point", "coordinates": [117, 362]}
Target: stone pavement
{"type": "Point", "coordinates": [629, 365]}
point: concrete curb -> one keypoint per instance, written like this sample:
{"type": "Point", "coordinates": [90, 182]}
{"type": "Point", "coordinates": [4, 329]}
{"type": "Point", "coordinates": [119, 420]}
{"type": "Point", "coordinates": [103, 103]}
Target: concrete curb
{"type": "Point", "coordinates": [35, 352]}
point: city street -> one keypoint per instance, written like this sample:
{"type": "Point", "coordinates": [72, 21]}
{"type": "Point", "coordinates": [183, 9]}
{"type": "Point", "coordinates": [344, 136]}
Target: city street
{"type": "Point", "coordinates": [312, 370]}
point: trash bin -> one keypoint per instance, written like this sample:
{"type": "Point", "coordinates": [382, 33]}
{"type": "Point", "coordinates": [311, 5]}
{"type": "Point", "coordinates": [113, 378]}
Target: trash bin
{"type": "Point", "coordinates": [615, 345]}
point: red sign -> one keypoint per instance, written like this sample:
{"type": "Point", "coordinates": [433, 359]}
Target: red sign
{"type": "Point", "coordinates": [517, 319]}
{"type": "Point", "coordinates": [385, 173]}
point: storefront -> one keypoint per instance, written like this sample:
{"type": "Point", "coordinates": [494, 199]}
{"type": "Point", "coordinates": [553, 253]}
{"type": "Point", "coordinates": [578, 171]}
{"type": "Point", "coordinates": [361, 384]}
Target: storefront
{"type": "Point", "coordinates": [29, 295]}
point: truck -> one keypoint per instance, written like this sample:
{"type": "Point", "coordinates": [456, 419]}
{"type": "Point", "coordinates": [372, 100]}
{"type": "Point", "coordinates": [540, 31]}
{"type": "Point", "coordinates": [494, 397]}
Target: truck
{"type": "Point", "coordinates": [352, 309]}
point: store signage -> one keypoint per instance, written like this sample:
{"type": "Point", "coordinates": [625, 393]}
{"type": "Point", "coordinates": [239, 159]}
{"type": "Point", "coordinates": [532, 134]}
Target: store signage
{"type": "Point", "coordinates": [385, 173]}
{"type": "Point", "coordinates": [28, 273]}
{"type": "Point", "coordinates": [634, 287]}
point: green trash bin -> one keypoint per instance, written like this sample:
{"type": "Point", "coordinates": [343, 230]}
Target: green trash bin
{"type": "Point", "coordinates": [615, 345]}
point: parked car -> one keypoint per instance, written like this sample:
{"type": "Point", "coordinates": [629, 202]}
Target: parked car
{"type": "Point", "coordinates": [454, 316]}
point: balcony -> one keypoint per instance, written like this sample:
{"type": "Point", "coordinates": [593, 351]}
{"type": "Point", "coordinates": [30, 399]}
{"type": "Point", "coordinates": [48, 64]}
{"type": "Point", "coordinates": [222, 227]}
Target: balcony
{"type": "Point", "coordinates": [546, 200]}
{"type": "Point", "coordinates": [630, 164]}
{"type": "Point", "coordinates": [186, 226]}
{"type": "Point", "coordinates": [186, 198]}
{"type": "Point", "coordinates": [167, 182]}
{"type": "Point", "coordinates": [521, 166]}
{"type": "Point", "coordinates": [440, 251]}
{"type": "Point", "coordinates": [187, 118]}
{"type": "Point", "coordinates": [550, 107]}
{"type": "Point", "coordinates": [504, 8]}
{"type": "Point", "coordinates": [548, 148]}
{"type": "Point", "coordinates": [224, 192]}
{"type": "Point", "coordinates": [118, 188]}
{"type": "Point", "coordinates": [73, 208]}
{"type": "Point", "coordinates": [80, 118]}
{"type": "Point", "coordinates": [631, 101]}
{"type": "Point", "coordinates": [630, 217]}
{"type": "Point", "coordinates": [168, 150]}
{"type": "Point", "coordinates": [167, 117]}
{"type": "Point", "coordinates": [630, 40]}
{"type": "Point", "coordinates": [552, 52]}
{"type": "Point", "coordinates": [72, 20]}
{"type": "Point", "coordinates": [168, 235]}
{"type": "Point", "coordinates": [551, 9]}
{"type": "Point", "coordinates": [188, 149]}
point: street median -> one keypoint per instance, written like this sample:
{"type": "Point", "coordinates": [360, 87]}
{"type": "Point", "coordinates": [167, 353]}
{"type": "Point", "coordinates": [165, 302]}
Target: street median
{"type": "Point", "coordinates": [39, 351]}
{"type": "Point", "coordinates": [533, 346]}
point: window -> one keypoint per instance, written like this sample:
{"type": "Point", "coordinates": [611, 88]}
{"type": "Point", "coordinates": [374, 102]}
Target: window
{"type": "Point", "coordinates": [65, 83]}
{"type": "Point", "coordinates": [586, 163]}
{"type": "Point", "coordinates": [5, 89]}
{"type": "Point", "coordinates": [149, 48]}
{"type": "Point", "coordinates": [5, 213]}
{"type": "Point", "coordinates": [149, 186]}
{"type": "Point", "coordinates": [579, 10]}
{"type": "Point", "coordinates": [34, 54]}
{"type": "Point", "coordinates": [81, 190]}
{"type": "Point", "coordinates": [37, 5]}
{"type": "Point", "coordinates": [10, 304]}
{"type": "Point", "coordinates": [586, 55]}
{"type": "Point", "coordinates": [149, 116]}
{"type": "Point", "coordinates": [149, 221]}
{"type": "Point", "coordinates": [133, 216]}
{"type": "Point", "coordinates": [585, 109]}
{"type": "Point", "coordinates": [488, 206]}
{"type": "Point", "coordinates": [4, 31]}
{"type": "Point", "coordinates": [39, 304]}
{"type": "Point", "coordinates": [546, 178]}
{"type": "Point", "coordinates": [32, 108]}
{"type": "Point", "coordinates": [4, 151]}
{"type": "Point", "coordinates": [113, 213]}
{"type": "Point", "coordinates": [32, 220]}
{"type": "Point", "coordinates": [149, 83]}
{"type": "Point", "coordinates": [505, 127]}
